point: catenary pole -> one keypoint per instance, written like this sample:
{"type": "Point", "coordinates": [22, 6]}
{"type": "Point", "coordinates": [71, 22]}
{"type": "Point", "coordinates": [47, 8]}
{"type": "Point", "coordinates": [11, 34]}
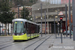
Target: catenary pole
{"type": "Point", "coordinates": [55, 28]}
{"type": "Point", "coordinates": [70, 18]}
{"type": "Point", "coordinates": [41, 19]}
{"type": "Point", "coordinates": [73, 11]}
{"type": "Point", "coordinates": [45, 22]}
{"type": "Point", "coordinates": [18, 11]}
{"type": "Point", "coordinates": [66, 17]}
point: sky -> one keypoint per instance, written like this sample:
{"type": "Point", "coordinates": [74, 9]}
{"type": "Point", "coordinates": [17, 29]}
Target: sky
{"type": "Point", "coordinates": [53, 1]}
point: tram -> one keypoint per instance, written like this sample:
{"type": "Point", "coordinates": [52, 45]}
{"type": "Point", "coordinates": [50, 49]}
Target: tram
{"type": "Point", "coordinates": [24, 29]}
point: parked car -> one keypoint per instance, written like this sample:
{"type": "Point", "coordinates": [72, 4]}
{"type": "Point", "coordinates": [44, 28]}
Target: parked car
{"type": "Point", "coordinates": [68, 32]}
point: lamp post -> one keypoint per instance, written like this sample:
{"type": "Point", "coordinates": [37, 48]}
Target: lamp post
{"type": "Point", "coordinates": [45, 22]}
{"type": "Point", "coordinates": [18, 10]}
{"type": "Point", "coordinates": [73, 11]}
{"type": "Point", "coordinates": [23, 8]}
{"type": "Point", "coordinates": [66, 17]}
{"type": "Point", "coordinates": [70, 18]}
{"type": "Point", "coordinates": [41, 19]}
{"type": "Point", "coordinates": [54, 27]}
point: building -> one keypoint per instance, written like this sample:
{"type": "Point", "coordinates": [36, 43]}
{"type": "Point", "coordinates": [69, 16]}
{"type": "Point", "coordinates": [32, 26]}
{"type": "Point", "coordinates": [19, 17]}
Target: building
{"type": "Point", "coordinates": [57, 1]}
{"type": "Point", "coordinates": [52, 10]}
{"type": "Point", "coordinates": [15, 9]}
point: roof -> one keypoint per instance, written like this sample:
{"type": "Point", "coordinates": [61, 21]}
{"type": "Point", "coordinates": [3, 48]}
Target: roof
{"type": "Point", "coordinates": [24, 20]}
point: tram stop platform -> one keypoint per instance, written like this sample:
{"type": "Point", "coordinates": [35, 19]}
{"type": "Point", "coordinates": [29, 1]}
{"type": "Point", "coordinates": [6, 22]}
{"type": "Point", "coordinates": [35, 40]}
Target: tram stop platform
{"type": "Point", "coordinates": [55, 43]}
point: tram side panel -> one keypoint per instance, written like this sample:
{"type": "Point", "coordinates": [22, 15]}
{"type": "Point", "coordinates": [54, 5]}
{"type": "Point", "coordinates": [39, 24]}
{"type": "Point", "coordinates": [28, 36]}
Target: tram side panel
{"type": "Point", "coordinates": [31, 30]}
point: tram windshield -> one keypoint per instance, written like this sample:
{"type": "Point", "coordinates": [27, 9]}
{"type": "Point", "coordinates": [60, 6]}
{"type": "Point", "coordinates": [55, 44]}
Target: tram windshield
{"type": "Point", "coordinates": [18, 27]}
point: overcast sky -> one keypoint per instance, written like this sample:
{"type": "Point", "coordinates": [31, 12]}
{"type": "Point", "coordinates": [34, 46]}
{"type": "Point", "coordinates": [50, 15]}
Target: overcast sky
{"type": "Point", "coordinates": [53, 1]}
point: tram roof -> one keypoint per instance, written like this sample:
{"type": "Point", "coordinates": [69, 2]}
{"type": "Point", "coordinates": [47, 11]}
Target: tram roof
{"type": "Point", "coordinates": [24, 20]}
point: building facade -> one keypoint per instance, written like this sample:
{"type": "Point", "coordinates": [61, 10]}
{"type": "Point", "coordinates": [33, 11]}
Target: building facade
{"type": "Point", "coordinates": [52, 11]}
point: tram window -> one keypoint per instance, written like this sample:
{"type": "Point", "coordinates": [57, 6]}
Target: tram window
{"type": "Point", "coordinates": [31, 28]}
{"type": "Point", "coordinates": [25, 27]}
{"type": "Point", "coordinates": [18, 27]}
{"type": "Point", "coordinates": [13, 26]}
{"type": "Point", "coordinates": [35, 28]}
{"type": "Point", "coordinates": [24, 30]}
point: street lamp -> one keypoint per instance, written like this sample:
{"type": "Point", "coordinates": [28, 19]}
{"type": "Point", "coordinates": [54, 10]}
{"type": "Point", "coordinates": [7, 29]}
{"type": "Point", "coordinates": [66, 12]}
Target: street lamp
{"type": "Point", "coordinates": [56, 16]}
{"type": "Point", "coordinates": [31, 19]}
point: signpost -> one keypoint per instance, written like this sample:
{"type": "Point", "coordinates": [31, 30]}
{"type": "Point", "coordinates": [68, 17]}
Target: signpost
{"type": "Point", "coordinates": [60, 13]}
{"type": "Point", "coordinates": [61, 28]}
{"type": "Point", "coordinates": [61, 18]}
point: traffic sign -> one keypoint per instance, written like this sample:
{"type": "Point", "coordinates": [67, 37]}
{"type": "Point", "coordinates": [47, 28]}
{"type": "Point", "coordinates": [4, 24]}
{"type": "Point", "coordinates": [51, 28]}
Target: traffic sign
{"type": "Point", "coordinates": [60, 13]}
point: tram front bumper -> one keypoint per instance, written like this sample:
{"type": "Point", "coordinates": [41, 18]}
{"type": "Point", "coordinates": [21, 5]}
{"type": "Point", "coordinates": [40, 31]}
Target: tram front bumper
{"type": "Point", "coordinates": [19, 37]}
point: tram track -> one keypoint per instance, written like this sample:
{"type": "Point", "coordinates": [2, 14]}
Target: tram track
{"type": "Point", "coordinates": [6, 43]}
{"type": "Point", "coordinates": [32, 43]}
{"type": "Point", "coordinates": [5, 46]}
{"type": "Point", "coordinates": [40, 43]}
{"type": "Point", "coordinates": [10, 43]}
{"type": "Point", "coordinates": [2, 43]}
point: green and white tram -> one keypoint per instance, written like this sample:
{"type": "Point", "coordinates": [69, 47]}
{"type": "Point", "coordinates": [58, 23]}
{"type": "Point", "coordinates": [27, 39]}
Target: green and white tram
{"type": "Point", "coordinates": [24, 29]}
